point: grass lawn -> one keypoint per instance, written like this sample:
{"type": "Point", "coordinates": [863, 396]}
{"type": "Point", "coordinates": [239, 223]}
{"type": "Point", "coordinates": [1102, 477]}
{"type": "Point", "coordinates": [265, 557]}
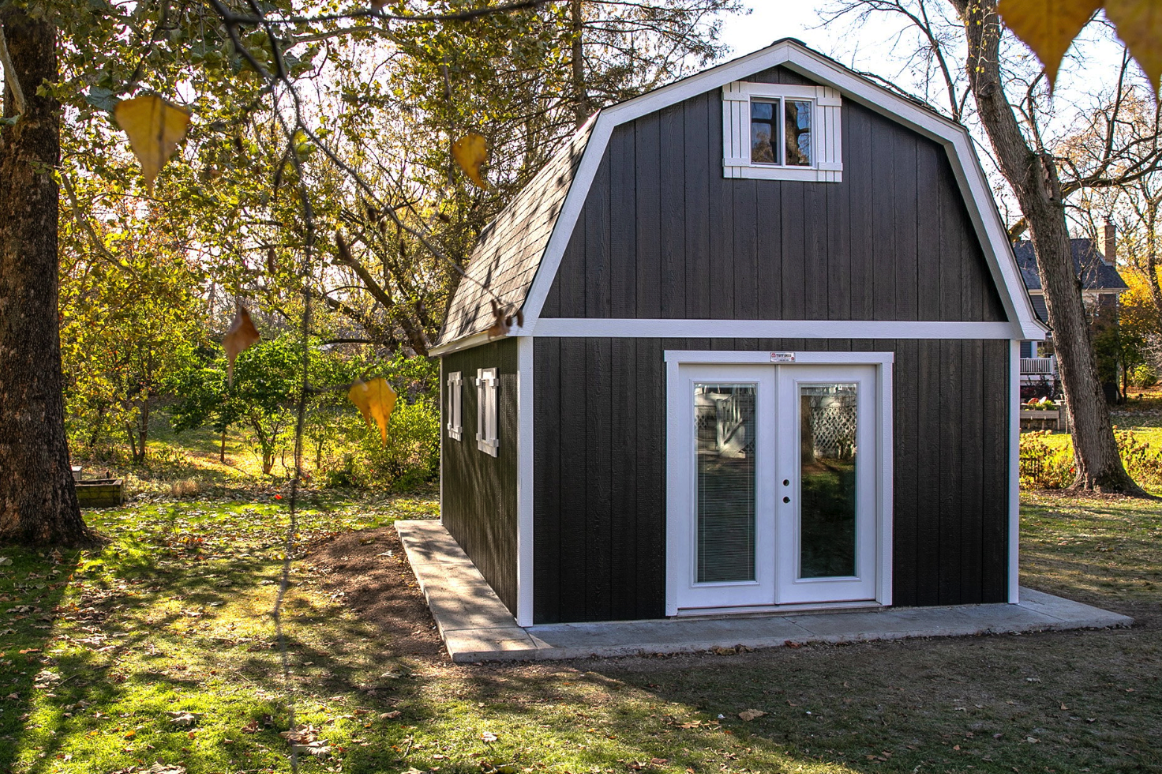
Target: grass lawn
{"type": "Point", "coordinates": [161, 648]}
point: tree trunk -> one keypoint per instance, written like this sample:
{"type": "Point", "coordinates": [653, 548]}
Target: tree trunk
{"type": "Point", "coordinates": [1152, 265]}
{"type": "Point", "coordinates": [1033, 177]}
{"type": "Point", "coordinates": [38, 503]}
{"type": "Point", "coordinates": [581, 109]}
{"type": "Point", "coordinates": [222, 449]}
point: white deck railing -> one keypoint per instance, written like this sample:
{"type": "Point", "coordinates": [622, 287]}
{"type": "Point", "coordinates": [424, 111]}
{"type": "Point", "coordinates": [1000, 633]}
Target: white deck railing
{"type": "Point", "coordinates": [1038, 365]}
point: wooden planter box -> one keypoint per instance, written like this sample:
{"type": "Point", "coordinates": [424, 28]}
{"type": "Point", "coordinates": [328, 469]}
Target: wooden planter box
{"type": "Point", "coordinates": [1042, 418]}
{"type": "Point", "coordinates": [100, 493]}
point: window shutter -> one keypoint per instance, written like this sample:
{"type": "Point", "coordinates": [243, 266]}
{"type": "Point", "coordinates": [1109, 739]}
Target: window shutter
{"type": "Point", "coordinates": [486, 411]}
{"type": "Point", "coordinates": [826, 132]}
{"type": "Point", "coordinates": [455, 423]}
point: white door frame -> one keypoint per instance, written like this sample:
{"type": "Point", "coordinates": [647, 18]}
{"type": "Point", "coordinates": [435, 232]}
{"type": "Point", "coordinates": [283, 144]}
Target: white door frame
{"type": "Point", "coordinates": [678, 461]}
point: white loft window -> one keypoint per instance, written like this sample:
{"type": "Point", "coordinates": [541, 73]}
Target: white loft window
{"type": "Point", "coordinates": [486, 389]}
{"type": "Point", "coordinates": [455, 421]}
{"type": "Point", "coordinates": [772, 131]}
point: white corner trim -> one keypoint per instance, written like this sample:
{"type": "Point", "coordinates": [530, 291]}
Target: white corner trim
{"type": "Point", "coordinates": [675, 487]}
{"type": "Point", "coordinates": [570, 327]}
{"type": "Point", "coordinates": [1014, 472]}
{"type": "Point", "coordinates": [886, 483]}
{"type": "Point", "coordinates": [966, 166]}
{"type": "Point", "coordinates": [524, 482]}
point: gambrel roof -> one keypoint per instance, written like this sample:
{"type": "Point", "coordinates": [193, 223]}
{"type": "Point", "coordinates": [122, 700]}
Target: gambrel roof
{"type": "Point", "coordinates": [509, 250]}
{"type": "Point", "coordinates": [519, 255]}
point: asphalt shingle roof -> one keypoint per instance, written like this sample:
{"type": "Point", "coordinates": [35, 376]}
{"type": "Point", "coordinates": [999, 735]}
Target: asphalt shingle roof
{"type": "Point", "coordinates": [509, 251]}
{"type": "Point", "coordinates": [1088, 261]}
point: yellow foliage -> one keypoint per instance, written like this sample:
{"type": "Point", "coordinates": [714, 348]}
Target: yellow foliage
{"type": "Point", "coordinates": [155, 127]}
{"type": "Point", "coordinates": [376, 400]}
{"type": "Point", "coordinates": [1049, 27]}
{"type": "Point", "coordinates": [470, 151]}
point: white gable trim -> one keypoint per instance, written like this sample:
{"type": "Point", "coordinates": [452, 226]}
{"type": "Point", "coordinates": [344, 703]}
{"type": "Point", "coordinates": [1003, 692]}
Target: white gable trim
{"type": "Point", "coordinates": [965, 165]}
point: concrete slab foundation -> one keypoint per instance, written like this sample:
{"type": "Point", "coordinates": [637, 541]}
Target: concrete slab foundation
{"type": "Point", "coordinates": [476, 626]}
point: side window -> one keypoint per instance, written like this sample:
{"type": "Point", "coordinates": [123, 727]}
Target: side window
{"type": "Point", "coordinates": [455, 423]}
{"type": "Point", "coordinates": [486, 410]}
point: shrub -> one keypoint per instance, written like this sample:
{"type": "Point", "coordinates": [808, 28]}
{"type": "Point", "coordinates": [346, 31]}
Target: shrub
{"type": "Point", "coordinates": [1043, 466]}
{"type": "Point", "coordinates": [1142, 463]}
{"type": "Point", "coordinates": [410, 457]}
{"type": "Point", "coordinates": [1143, 377]}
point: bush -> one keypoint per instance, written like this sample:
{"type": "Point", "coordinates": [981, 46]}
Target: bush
{"type": "Point", "coordinates": [1143, 377]}
{"type": "Point", "coordinates": [1043, 466]}
{"type": "Point", "coordinates": [410, 457]}
{"type": "Point", "coordinates": [1142, 463]}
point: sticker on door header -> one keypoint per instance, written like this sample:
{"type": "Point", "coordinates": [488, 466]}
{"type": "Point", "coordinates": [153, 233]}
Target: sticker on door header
{"type": "Point", "coordinates": [782, 357]}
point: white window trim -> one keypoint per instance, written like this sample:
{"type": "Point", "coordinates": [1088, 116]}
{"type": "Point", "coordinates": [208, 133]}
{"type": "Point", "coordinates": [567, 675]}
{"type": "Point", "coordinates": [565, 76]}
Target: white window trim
{"type": "Point", "coordinates": [826, 132]}
{"type": "Point", "coordinates": [454, 406]}
{"type": "Point", "coordinates": [486, 411]}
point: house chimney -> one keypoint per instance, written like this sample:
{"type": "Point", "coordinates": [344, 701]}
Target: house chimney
{"type": "Point", "coordinates": [1111, 244]}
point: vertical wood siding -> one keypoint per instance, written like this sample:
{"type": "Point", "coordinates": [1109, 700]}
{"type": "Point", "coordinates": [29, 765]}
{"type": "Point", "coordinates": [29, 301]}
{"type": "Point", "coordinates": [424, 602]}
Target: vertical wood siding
{"type": "Point", "coordinates": [599, 471]}
{"type": "Point", "coordinates": [664, 235]}
{"type": "Point", "coordinates": [479, 490]}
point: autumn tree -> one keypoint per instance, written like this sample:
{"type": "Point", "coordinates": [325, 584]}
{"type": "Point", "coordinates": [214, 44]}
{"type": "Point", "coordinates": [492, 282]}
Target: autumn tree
{"type": "Point", "coordinates": [962, 48]}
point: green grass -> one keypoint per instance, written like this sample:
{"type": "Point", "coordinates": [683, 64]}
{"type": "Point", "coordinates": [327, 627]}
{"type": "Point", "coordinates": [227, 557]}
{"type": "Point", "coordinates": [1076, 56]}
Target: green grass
{"type": "Point", "coordinates": [173, 617]}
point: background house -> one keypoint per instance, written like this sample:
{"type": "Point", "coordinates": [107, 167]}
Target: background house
{"type": "Point", "coordinates": [769, 360]}
{"type": "Point", "coordinates": [1101, 285]}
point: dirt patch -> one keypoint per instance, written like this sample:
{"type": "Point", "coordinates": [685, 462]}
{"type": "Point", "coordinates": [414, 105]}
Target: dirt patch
{"type": "Point", "coordinates": [368, 572]}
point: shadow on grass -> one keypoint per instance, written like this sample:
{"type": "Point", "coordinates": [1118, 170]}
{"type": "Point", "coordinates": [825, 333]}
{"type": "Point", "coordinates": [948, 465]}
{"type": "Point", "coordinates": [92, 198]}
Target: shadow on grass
{"type": "Point", "coordinates": [34, 585]}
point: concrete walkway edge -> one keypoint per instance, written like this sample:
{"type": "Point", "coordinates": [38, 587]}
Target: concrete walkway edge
{"type": "Point", "coordinates": [476, 626]}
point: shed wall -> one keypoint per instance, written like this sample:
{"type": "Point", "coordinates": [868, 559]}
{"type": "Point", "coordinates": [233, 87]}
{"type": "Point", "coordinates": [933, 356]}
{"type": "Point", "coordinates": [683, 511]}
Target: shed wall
{"type": "Point", "coordinates": [599, 471]}
{"type": "Point", "coordinates": [478, 498]}
{"type": "Point", "coordinates": [664, 235]}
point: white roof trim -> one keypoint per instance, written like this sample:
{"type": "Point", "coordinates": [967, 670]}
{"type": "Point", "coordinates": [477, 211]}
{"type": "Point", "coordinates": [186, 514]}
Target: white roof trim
{"type": "Point", "coordinates": [966, 166]}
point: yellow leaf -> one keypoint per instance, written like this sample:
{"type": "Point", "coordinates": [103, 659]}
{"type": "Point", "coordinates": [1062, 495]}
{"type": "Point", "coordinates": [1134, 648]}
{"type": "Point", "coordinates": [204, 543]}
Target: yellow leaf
{"type": "Point", "coordinates": [240, 335]}
{"type": "Point", "coordinates": [1139, 24]}
{"type": "Point", "coordinates": [155, 127]}
{"type": "Point", "coordinates": [470, 151]}
{"type": "Point", "coordinates": [375, 400]}
{"type": "Point", "coordinates": [1048, 26]}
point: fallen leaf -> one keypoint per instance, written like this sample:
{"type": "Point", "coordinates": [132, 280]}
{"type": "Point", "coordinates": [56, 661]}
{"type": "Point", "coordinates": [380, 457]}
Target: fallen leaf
{"type": "Point", "coordinates": [5, 560]}
{"type": "Point", "coordinates": [155, 127]}
{"type": "Point", "coordinates": [390, 715]}
{"type": "Point", "coordinates": [375, 400]}
{"type": "Point", "coordinates": [1048, 26]}
{"type": "Point", "coordinates": [488, 736]}
{"type": "Point", "coordinates": [250, 728]}
{"type": "Point", "coordinates": [239, 336]}
{"type": "Point", "coordinates": [470, 151]}
{"type": "Point", "coordinates": [751, 714]}
{"type": "Point", "coordinates": [1139, 24]}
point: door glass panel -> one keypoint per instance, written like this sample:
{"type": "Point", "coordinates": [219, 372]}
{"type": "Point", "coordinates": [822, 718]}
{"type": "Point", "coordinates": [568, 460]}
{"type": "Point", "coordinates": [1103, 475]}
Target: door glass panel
{"type": "Point", "coordinates": [827, 457]}
{"type": "Point", "coordinates": [724, 415]}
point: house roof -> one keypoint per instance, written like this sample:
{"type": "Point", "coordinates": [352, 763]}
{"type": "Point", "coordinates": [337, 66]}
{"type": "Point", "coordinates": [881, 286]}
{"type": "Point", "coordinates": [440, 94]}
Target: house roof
{"type": "Point", "coordinates": [1088, 262]}
{"type": "Point", "coordinates": [520, 252]}
{"type": "Point", "coordinates": [509, 249]}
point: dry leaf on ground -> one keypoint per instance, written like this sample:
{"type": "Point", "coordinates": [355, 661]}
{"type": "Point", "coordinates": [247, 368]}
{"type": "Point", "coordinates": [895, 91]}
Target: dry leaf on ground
{"type": "Point", "coordinates": [751, 714]}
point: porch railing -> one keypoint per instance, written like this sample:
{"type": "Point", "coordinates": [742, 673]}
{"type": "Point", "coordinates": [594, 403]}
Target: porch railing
{"type": "Point", "coordinates": [1039, 365]}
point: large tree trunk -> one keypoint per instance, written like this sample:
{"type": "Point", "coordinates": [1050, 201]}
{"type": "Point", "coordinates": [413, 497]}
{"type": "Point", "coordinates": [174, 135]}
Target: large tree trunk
{"type": "Point", "coordinates": [1033, 177]}
{"type": "Point", "coordinates": [580, 90]}
{"type": "Point", "coordinates": [38, 503]}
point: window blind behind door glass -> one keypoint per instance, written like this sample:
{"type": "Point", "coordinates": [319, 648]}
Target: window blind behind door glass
{"type": "Point", "coordinates": [724, 416]}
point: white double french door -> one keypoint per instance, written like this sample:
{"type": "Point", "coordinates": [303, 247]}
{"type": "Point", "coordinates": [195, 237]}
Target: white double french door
{"type": "Point", "coordinates": [773, 490]}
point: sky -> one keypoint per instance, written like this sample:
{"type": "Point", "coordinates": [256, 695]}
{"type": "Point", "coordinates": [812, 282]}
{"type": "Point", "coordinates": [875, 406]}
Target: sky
{"type": "Point", "coordinates": [870, 48]}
